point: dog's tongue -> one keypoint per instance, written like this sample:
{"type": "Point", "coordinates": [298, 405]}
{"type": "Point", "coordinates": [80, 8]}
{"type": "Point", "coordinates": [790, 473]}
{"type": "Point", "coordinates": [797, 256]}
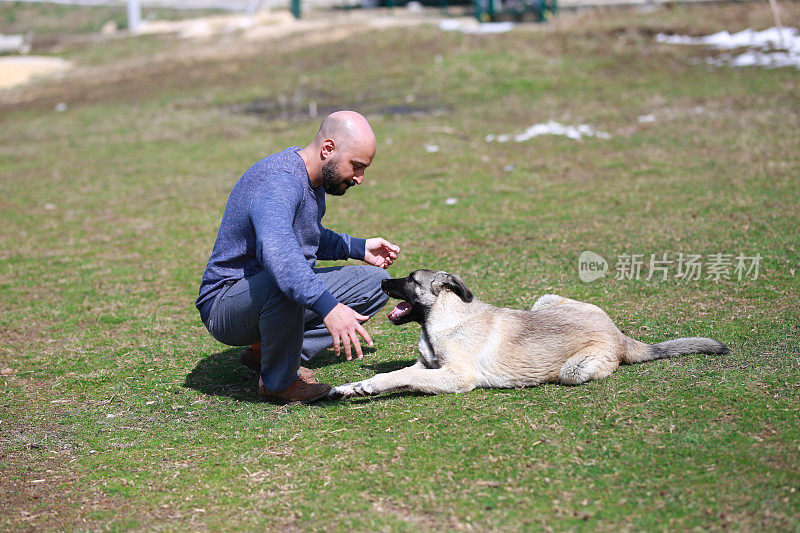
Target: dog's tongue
{"type": "Point", "coordinates": [401, 309]}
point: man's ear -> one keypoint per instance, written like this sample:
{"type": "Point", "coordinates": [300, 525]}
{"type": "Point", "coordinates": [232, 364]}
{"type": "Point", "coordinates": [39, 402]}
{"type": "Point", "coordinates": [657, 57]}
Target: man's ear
{"type": "Point", "coordinates": [327, 148]}
{"type": "Point", "coordinates": [453, 283]}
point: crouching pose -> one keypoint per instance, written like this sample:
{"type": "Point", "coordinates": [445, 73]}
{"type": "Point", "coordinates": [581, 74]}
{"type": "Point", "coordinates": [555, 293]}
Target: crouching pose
{"type": "Point", "coordinates": [261, 286]}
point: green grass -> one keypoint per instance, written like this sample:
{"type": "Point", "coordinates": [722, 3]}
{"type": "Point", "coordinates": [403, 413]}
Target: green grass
{"type": "Point", "coordinates": [123, 413]}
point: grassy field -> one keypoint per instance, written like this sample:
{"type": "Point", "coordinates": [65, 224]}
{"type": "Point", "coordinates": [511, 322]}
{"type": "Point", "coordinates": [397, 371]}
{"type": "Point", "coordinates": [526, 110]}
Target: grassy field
{"type": "Point", "coordinates": [120, 412]}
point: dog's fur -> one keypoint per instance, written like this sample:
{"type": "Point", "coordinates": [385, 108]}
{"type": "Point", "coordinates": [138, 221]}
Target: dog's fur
{"type": "Point", "coordinates": [466, 343]}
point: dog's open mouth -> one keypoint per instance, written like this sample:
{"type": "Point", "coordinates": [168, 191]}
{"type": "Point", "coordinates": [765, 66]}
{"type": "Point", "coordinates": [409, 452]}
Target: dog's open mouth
{"type": "Point", "coordinates": [402, 309]}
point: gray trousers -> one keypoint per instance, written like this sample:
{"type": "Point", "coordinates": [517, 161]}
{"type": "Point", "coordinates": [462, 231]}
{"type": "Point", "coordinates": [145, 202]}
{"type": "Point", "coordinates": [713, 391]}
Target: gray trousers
{"type": "Point", "coordinates": [254, 310]}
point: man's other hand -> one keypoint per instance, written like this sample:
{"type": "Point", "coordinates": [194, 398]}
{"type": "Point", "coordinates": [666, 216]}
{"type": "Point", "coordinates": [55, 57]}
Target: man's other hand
{"type": "Point", "coordinates": [380, 252]}
{"type": "Point", "coordinates": [343, 324]}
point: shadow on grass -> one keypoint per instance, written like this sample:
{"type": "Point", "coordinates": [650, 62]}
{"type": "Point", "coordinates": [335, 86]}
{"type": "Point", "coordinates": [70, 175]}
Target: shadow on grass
{"type": "Point", "coordinates": [357, 400]}
{"type": "Point", "coordinates": [390, 366]}
{"type": "Point", "coordinates": [221, 374]}
{"type": "Point", "coordinates": [327, 357]}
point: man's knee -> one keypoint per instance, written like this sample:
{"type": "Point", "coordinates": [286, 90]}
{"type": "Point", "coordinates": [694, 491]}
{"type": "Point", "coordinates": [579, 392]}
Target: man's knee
{"type": "Point", "coordinates": [357, 286]}
{"type": "Point", "coordinates": [373, 278]}
{"type": "Point", "coordinates": [367, 295]}
{"type": "Point", "coordinates": [375, 274]}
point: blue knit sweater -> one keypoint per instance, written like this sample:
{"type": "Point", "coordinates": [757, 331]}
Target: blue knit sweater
{"type": "Point", "coordinates": [273, 222]}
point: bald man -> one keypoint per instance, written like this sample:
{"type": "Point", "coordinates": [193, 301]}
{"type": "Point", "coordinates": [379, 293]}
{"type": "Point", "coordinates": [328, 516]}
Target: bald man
{"type": "Point", "coordinates": [261, 284]}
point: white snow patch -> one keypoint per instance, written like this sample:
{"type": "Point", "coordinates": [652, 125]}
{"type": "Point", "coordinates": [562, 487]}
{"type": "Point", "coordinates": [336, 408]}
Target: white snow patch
{"type": "Point", "coordinates": [473, 26]}
{"type": "Point", "coordinates": [16, 70]}
{"type": "Point", "coordinates": [550, 128]}
{"type": "Point", "coordinates": [16, 44]}
{"type": "Point", "coordinates": [771, 48]}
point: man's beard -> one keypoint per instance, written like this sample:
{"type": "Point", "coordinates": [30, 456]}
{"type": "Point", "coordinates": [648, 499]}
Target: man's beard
{"type": "Point", "coordinates": [333, 182]}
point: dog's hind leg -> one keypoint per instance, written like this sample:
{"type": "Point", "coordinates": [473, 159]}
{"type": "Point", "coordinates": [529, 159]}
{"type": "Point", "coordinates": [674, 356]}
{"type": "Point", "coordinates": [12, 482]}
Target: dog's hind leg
{"type": "Point", "coordinates": [586, 365]}
{"type": "Point", "coordinates": [415, 378]}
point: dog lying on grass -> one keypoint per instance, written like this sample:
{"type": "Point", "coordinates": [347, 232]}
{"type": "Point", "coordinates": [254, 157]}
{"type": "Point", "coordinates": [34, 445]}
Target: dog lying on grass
{"type": "Point", "coordinates": [466, 343]}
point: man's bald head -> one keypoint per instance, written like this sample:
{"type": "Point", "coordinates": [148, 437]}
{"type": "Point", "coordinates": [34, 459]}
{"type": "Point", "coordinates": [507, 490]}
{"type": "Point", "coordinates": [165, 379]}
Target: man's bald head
{"type": "Point", "coordinates": [348, 130]}
{"type": "Point", "coordinates": [340, 152]}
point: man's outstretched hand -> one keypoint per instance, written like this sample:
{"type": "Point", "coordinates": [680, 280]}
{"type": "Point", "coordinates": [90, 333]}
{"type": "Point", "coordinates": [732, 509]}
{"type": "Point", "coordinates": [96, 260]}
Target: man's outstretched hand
{"type": "Point", "coordinates": [380, 252]}
{"type": "Point", "coordinates": [343, 324]}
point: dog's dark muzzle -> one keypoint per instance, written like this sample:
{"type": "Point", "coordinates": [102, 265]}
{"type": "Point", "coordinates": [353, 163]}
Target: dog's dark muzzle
{"type": "Point", "coordinates": [393, 287]}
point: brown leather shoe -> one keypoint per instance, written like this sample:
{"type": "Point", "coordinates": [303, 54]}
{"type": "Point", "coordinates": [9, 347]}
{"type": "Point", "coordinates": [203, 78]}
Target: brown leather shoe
{"type": "Point", "coordinates": [299, 391]}
{"type": "Point", "coordinates": [307, 374]}
{"type": "Point", "coordinates": [251, 358]}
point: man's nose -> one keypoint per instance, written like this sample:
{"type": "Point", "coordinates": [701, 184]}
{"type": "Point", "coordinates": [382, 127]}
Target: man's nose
{"type": "Point", "coordinates": [358, 178]}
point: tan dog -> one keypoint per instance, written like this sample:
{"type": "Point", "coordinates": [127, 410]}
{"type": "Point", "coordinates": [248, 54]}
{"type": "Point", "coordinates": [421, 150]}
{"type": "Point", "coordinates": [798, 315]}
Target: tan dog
{"type": "Point", "coordinates": [466, 343]}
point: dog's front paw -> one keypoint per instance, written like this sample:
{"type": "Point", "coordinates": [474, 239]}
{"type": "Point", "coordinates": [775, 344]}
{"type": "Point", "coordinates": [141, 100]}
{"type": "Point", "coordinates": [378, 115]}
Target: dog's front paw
{"type": "Point", "coordinates": [342, 391]}
{"type": "Point", "coordinates": [361, 388]}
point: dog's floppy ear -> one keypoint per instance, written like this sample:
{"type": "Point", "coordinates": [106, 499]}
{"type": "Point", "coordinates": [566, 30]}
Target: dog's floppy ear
{"type": "Point", "coordinates": [453, 283]}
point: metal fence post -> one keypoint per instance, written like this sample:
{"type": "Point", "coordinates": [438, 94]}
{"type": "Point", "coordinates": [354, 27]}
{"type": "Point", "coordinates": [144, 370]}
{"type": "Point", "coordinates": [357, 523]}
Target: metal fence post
{"type": "Point", "coordinates": [134, 14]}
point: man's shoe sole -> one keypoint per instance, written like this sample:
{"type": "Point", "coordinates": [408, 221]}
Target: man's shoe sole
{"type": "Point", "coordinates": [269, 396]}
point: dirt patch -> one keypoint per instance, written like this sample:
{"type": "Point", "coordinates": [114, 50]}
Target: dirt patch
{"type": "Point", "coordinates": [39, 466]}
{"type": "Point", "coordinates": [198, 52]}
{"type": "Point", "coordinates": [398, 511]}
{"type": "Point", "coordinates": [36, 495]}
{"type": "Point", "coordinates": [43, 485]}
{"type": "Point", "coordinates": [274, 109]}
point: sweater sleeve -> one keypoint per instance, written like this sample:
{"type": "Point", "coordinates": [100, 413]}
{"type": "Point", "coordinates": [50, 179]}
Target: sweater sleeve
{"type": "Point", "coordinates": [335, 246]}
{"type": "Point", "coordinates": [279, 253]}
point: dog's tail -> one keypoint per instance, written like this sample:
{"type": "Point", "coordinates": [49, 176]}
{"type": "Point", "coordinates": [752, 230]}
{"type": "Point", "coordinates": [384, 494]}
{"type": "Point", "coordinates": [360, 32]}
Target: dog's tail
{"type": "Point", "coordinates": [639, 352]}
